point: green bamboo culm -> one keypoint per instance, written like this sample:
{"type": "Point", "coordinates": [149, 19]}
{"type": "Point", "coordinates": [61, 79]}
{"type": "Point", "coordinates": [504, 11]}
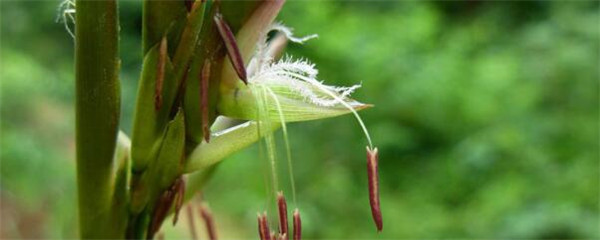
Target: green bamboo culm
{"type": "Point", "coordinates": [97, 118]}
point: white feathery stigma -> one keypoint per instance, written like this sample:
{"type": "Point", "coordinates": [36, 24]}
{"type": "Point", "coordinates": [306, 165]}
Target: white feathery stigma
{"type": "Point", "coordinates": [288, 33]}
{"type": "Point", "coordinates": [297, 76]}
{"type": "Point", "coordinates": [66, 13]}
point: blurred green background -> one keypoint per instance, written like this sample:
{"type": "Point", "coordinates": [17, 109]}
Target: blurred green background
{"type": "Point", "coordinates": [486, 119]}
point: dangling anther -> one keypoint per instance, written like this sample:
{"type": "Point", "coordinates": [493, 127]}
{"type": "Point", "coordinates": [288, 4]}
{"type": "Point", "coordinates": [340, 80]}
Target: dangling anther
{"type": "Point", "coordinates": [191, 221]}
{"type": "Point", "coordinates": [297, 225]}
{"type": "Point", "coordinates": [263, 227]}
{"type": "Point", "coordinates": [208, 221]}
{"type": "Point", "coordinates": [372, 171]}
{"type": "Point", "coordinates": [282, 207]}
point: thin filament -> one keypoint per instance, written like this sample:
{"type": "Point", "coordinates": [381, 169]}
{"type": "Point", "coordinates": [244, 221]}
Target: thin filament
{"type": "Point", "coordinates": [318, 85]}
{"type": "Point", "coordinates": [287, 143]}
{"type": "Point", "coordinates": [261, 150]}
{"type": "Point", "coordinates": [270, 143]}
{"type": "Point", "coordinates": [269, 140]}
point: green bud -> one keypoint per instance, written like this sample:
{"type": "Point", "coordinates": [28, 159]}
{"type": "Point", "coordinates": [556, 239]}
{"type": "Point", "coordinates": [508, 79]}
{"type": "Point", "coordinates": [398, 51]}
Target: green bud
{"type": "Point", "coordinates": [162, 18]}
{"type": "Point", "coordinates": [149, 122]}
{"type": "Point", "coordinates": [242, 103]}
{"type": "Point", "coordinates": [167, 166]}
{"type": "Point", "coordinates": [210, 53]}
{"type": "Point", "coordinates": [164, 169]}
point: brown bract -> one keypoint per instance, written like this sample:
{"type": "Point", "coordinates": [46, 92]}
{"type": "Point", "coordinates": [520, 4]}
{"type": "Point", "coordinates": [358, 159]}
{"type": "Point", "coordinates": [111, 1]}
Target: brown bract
{"type": "Point", "coordinates": [179, 195]}
{"type": "Point", "coordinates": [163, 205]}
{"type": "Point", "coordinates": [231, 46]}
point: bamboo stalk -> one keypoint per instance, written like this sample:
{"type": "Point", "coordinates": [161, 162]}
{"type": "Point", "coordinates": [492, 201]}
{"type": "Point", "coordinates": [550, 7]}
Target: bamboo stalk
{"type": "Point", "coordinates": [97, 114]}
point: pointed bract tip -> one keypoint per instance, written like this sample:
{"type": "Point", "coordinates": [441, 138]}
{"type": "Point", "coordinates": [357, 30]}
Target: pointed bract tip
{"type": "Point", "coordinates": [231, 46]}
{"type": "Point", "coordinates": [179, 189]}
{"type": "Point", "coordinates": [361, 106]}
{"type": "Point", "coordinates": [195, 5]}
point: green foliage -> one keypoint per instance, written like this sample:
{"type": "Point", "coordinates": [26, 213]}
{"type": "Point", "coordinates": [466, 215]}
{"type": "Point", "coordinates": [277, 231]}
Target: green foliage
{"type": "Point", "coordinates": [486, 119]}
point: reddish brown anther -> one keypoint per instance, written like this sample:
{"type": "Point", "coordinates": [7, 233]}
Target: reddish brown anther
{"type": "Point", "coordinates": [179, 190]}
{"type": "Point", "coordinates": [263, 227]}
{"type": "Point", "coordinates": [233, 50]}
{"type": "Point", "coordinates": [372, 171]}
{"type": "Point", "coordinates": [297, 225]}
{"type": "Point", "coordinates": [161, 210]}
{"type": "Point", "coordinates": [204, 80]}
{"type": "Point", "coordinates": [160, 73]}
{"type": "Point", "coordinates": [283, 221]}
{"type": "Point", "coordinates": [208, 221]}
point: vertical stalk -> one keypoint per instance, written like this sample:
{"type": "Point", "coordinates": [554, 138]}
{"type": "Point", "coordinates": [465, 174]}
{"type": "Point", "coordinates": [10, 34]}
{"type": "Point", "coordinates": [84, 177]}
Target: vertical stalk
{"type": "Point", "coordinates": [97, 114]}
